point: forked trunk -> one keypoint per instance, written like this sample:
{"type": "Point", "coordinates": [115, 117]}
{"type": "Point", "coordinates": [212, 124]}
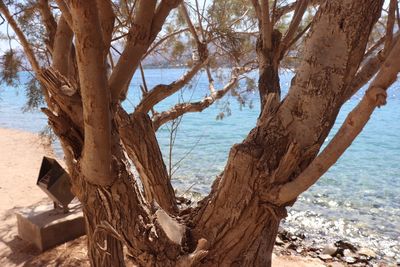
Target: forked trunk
{"type": "Point", "coordinates": [236, 225]}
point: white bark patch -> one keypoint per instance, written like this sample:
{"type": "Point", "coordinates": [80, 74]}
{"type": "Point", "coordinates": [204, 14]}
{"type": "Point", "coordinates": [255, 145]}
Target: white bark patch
{"type": "Point", "coordinates": [171, 227]}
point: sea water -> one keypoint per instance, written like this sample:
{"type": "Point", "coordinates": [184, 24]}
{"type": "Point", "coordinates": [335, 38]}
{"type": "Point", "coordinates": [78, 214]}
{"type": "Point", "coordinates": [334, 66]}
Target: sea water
{"type": "Point", "coordinates": [357, 200]}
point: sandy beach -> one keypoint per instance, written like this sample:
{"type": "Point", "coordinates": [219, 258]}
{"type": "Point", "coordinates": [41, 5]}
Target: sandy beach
{"type": "Point", "coordinates": [21, 154]}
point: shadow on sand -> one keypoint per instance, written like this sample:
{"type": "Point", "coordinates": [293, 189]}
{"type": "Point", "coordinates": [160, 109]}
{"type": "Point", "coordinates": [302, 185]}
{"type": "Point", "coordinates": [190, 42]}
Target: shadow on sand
{"type": "Point", "coordinates": [16, 252]}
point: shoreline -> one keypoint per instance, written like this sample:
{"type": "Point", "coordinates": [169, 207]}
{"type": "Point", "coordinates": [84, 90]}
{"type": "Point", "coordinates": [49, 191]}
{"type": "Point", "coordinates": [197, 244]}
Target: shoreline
{"type": "Point", "coordinates": [20, 158]}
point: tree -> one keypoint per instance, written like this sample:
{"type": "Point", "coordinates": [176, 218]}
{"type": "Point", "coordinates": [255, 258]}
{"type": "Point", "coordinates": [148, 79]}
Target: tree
{"type": "Point", "coordinates": [237, 223]}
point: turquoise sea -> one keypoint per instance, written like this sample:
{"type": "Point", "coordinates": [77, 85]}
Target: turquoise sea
{"type": "Point", "coordinates": [357, 200]}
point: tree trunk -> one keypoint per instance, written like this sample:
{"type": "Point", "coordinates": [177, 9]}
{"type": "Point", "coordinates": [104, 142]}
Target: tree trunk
{"type": "Point", "coordinates": [238, 223]}
{"type": "Point", "coordinates": [240, 218]}
{"type": "Point", "coordinates": [141, 144]}
{"type": "Point", "coordinates": [103, 248]}
{"type": "Point", "coordinates": [268, 60]}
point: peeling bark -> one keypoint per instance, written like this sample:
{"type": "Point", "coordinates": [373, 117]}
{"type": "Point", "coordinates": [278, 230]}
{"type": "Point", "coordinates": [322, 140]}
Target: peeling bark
{"type": "Point", "coordinates": [140, 141]}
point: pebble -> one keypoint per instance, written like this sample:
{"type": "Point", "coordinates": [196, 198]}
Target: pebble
{"type": "Point", "coordinates": [349, 253]}
{"type": "Point", "coordinates": [279, 241]}
{"type": "Point", "coordinates": [345, 245]}
{"type": "Point", "coordinates": [390, 254]}
{"type": "Point", "coordinates": [329, 250]}
{"type": "Point", "coordinates": [350, 260]}
{"type": "Point", "coordinates": [325, 257]}
{"type": "Point", "coordinates": [367, 252]}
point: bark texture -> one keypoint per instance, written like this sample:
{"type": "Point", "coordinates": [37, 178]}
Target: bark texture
{"type": "Point", "coordinates": [145, 153]}
{"type": "Point", "coordinates": [286, 139]}
{"type": "Point", "coordinates": [237, 223]}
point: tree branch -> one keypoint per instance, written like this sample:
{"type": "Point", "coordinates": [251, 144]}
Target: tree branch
{"type": "Point", "coordinates": [374, 47]}
{"type": "Point", "coordinates": [162, 12]}
{"type": "Point", "coordinates": [182, 108]}
{"type": "Point", "coordinates": [96, 159]}
{"type": "Point", "coordinates": [390, 25]}
{"type": "Point", "coordinates": [162, 91]}
{"type": "Point", "coordinates": [141, 144]}
{"type": "Point", "coordinates": [147, 24]}
{"type": "Point", "coordinates": [368, 70]}
{"type": "Point", "coordinates": [291, 7]}
{"type": "Point", "coordinates": [199, 17]}
{"type": "Point", "coordinates": [163, 39]}
{"type": "Point", "coordinates": [294, 24]}
{"type": "Point", "coordinates": [107, 19]}
{"type": "Point", "coordinates": [185, 14]}
{"type": "Point", "coordinates": [25, 45]}
{"type": "Point", "coordinates": [62, 47]}
{"type": "Point", "coordinates": [48, 21]}
{"type": "Point", "coordinates": [353, 125]}
{"type": "Point", "coordinates": [257, 9]}
{"type": "Point", "coordinates": [266, 25]}
{"type": "Point", "coordinates": [136, 46]}
{"type": "Point", "coordinates": [65, 11]}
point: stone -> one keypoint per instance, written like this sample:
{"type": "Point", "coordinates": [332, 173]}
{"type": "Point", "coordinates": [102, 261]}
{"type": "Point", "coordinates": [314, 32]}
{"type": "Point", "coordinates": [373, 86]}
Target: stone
{"type": "Point", "coordinates": [329, 250]}
{"type": "Point", "coordinates": [349, 253]}
{"type": "Point", "coordinates": [350, 260]}
{"type": "Point", "coordinates": [46, 227]}
{"type": "Point", "coordinates": [279, 241]}
{"type": "Point", "coordinates": [325, 257]}
{"type": "Point", "coordinates": [299, 250]}
{"type": "Point", "coordinates": [367, 252]}
{"type": "Point", "coordinates": [345, 245]}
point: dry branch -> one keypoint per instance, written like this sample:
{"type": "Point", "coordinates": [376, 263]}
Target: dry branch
{"type": "Point", "coordinates": [137, 44]}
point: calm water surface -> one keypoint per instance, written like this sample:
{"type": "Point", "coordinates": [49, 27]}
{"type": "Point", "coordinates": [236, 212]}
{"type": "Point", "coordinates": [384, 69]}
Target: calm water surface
{"type": "Point", "coordinates": [358, 199]}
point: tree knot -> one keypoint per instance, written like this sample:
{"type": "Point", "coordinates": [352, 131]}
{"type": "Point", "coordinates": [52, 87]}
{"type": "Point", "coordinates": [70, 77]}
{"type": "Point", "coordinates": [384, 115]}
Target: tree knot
{"type": "Point", "coordinates": [277, 212]}
{"type": "Point", "coordinates": [377, 96]}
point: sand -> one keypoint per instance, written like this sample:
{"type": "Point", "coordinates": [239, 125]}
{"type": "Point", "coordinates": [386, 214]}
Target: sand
{"type": "Point", "coordinates": [21, 154]}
